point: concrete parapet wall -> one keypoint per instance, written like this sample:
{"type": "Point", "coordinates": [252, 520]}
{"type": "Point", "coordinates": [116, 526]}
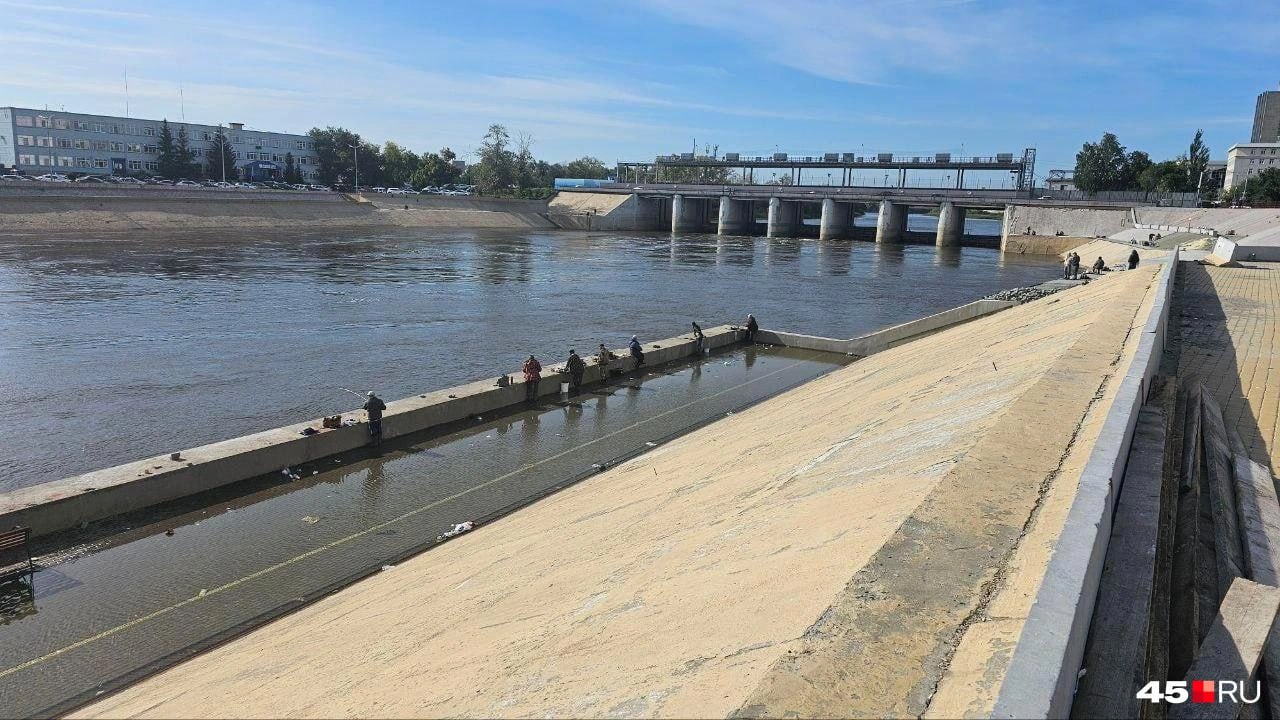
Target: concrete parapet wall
{"type": "Point", "coordinates": [880, 340]}
{"type": "Point", "coordinates": [1076, 225]}
{"type": "Point", "coordinates": [67, 503]}
{"type": "Point", "coordinates": [1042, 673]}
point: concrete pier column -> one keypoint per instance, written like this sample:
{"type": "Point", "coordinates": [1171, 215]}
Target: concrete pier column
{"type": "Point", "coordinates": [950, 225]}
{"type": "Point", "coordinates": [837, 220]}
{"type": "Point", "coordinates": [784, 218]}
{"type": "Point", "coordinates": [687, 214]}
{"type": "Point", "coordinates": [891, 224]}
{"type": "Point", "coordinates": [736, 217]}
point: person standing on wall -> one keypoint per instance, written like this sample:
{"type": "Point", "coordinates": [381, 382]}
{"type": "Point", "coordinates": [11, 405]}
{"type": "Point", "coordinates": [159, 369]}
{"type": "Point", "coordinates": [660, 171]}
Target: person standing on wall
{"type": "Point", "coordinates": [637, 353]}
{"type": "Point", "coordinates": [576, 369]}
{"type": "Point", "coordinates": [603, 356]}
{"type": "Point", "coordinates": [699, 340]}
{"type": "Point", "coordinates": [752, 328]}
{"type": "Point", "coordinates": [532, 377]}
{"type": "Point", "coordinates": [374, 406]}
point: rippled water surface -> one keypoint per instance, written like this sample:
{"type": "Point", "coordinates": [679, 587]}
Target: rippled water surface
{"type": "Point", "coordinates": [115, 348]}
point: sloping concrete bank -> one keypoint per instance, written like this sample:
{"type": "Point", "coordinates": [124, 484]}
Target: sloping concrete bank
{"type": "Point", "coordinates": [607, 211]}
{"type": "Point", "coordinates": [819, 554]}
{"type": "Point", "coordinates": [1042, 673]}
{"type": "Point", "coordinates": [67, 503]}
{"type": "Point", "coordinates": [880, 340]}
{"type": "Point", "coordinates": [1033, 229]}
{"type": "Point", "coordinates": [80, 210]}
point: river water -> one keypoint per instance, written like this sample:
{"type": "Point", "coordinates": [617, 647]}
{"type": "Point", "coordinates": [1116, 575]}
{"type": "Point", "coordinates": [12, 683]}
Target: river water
{"type": "Point", "coordinates": [113, 349]}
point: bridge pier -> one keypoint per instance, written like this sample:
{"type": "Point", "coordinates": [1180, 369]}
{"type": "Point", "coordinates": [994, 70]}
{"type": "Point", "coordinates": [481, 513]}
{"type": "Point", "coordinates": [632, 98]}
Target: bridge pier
{"type": "Point", "coordinates": [837, 220]}
{"type": "Point", "coordinates": [950, 225]}
{"type": "Point", "coordinates": [688, 215]}
{"type": "Point", "coordinates": [784, 218]}
{"type": "Point", "coordinates": [891, 223]}
{"type": "Point", "coordinates": [737, 217]}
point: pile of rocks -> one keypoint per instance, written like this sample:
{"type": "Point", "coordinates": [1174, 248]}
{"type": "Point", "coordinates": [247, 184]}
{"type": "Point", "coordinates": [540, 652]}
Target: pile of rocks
{"type": "Point", "coordinates": [1024, 294]}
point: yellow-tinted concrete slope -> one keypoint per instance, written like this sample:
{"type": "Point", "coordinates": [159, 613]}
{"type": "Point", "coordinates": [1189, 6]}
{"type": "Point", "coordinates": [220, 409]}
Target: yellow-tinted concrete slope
{"type": "Point", "coordinates": [1230, 341]}
{"type": "Point", "coordinates": [820, 553]}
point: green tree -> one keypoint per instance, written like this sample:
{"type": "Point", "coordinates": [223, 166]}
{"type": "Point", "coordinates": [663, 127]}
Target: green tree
{"type": "Point", "coordinates": [1197, 160]}
{"type": "Point", "coordinates": [173, 163]}
{"type": "Point", "coordinates": [1102, 165]}
{"type": "Point", "coordinates": [336, 157]}
{"type": "Point", "coordinates": [292, 174]}
{"type": "Point", "coordinates": [222, 157]}
{"type": "Point", "coordinates": [1167, 176]}
{"type": "Point", "coordinates": [1263, 188]}
{"type": "Point", "coordinates": [1136, 163]}
{"type": "Point", "coordinates": [398, 164]}
{"type": "Point", "coordinates": [496, 170]}
{"type": "Point", "coordinates": [586, 167]}
{"type": "Point", "coordinates": [188, 163]}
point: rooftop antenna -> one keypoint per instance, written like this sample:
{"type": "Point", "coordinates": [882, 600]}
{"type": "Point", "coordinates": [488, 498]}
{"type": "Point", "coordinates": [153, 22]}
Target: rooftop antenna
{"type": "Point", "coordinates": [126, 91]}
{"type": "Point", "coordinates": [182, 104]}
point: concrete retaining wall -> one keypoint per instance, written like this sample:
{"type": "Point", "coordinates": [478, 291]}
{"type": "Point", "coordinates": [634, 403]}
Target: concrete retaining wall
{"type": "Point", "coordinates": [1041, 678]}
{"type": "Point", "coordinates": [67, 503]}
{"type": "Point", "coordinates": [875, 342]}
{"type": "Point", "coordinates": [1078, 225]}
{"type": "Point", "coordinates": [606, 211]}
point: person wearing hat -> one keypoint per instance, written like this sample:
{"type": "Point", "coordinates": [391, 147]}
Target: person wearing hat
{"type": "Point", "coordinates": [532, 377]}
{"type": "Point", "coordinates": [577, 368]}
{"type": "Point", "coordinates": [636, 352]}
{"type": "Point", "coordinates": [752, 328]}
{"type": "Point", "coordinates": [374, 407]}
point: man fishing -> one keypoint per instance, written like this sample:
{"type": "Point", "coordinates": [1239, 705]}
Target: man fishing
{"type": "Point", "coordinates": [576, 369]}
{"type": "Point", "coordinates": [374, 406]}
{"type": "Point", "coordinates": [532, 377]}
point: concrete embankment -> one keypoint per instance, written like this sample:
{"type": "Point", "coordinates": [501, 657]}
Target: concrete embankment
{"type": "Point", "coordinates": [67, 503]}
{"type": "Point", "coordinates": [115, 209]}
{"type": "Point", "coordinates": [1034, 229]}
{"type": "Point", "coordinates": [905, 516]}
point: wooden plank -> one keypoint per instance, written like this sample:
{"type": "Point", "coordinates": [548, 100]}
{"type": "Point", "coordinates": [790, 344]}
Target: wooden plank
{"type": "Point", "coordinates": [1219, 465]}
{"type": "Point", "coordinates": [1233, 647]}
{"type": "Point", "coordinates": [1188, 583]}
{"type": "Point", "coordinates": [1115, 657]}
{"type": "Point", "coordinates": [1260, 523]}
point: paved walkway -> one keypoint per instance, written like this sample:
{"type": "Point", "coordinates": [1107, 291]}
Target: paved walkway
{"type": "Point", "coordinates": [858, 546]}
{"type": "Point", "coordinates": [1230, 340]}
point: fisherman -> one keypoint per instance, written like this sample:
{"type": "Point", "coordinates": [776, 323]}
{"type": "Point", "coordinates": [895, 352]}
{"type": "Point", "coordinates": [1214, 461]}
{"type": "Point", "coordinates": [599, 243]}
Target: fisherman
{"type": "Point", "coordinates": [374, 406]}
{"type": "Point", "coordinates": [532, 377]}
{"type": "Point", "coordinates": [603, 356]}
{"type": "Point", "coordinates": [637, 353]}
{"type": "Point", "coordinates": [576, 369]}
{"type": "Point", "coordinates": [699, 340]}
{"type": "Point", "coordinates": [1133, 259]}
{"type": "Point", "coordinates": [1099, 266]}
{"type": "Point", "coordinates": [752, 327]}
{"type": "Point", "coordinates": [1075, 266]}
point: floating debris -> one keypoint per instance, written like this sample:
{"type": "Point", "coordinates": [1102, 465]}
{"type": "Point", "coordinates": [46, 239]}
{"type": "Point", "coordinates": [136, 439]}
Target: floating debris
{"type": "Point", "coordinates": [291, 474]}
{"type": "Point", "coordinates": [311, 519]}
{"type": "Point", "coordinates": [456, 530]}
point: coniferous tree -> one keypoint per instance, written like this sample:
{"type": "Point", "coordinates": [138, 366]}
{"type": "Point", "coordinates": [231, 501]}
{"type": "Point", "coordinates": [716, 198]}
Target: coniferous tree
{"type": "Point", "coordinates": [292, 174]}
{"type": "Point", "coordinates": [222, 157]}
{"type": "Point", "coordinates": [171, 165]}
{"type": "Point", "coordinates": [189, 164]}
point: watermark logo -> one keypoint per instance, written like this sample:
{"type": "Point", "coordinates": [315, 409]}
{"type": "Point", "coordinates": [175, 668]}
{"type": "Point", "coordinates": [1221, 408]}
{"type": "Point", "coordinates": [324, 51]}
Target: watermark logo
{"type": "Point", "coordinates": [1175, 692]}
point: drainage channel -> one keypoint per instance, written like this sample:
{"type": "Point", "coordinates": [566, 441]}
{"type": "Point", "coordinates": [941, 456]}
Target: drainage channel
{"type": "Point", "coordinates": [106, 612]}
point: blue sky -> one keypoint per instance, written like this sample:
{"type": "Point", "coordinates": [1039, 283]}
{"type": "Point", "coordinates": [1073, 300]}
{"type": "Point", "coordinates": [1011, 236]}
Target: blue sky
{"type": "Point", "coordinates": [630, 80]}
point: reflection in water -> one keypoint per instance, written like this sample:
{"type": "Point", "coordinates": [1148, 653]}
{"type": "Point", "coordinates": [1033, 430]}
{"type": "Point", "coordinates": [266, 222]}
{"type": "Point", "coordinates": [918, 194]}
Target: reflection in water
{"type": "Point", "coordinates": [17, 598]}
{"type": "Point", "coordinates": [948, 256]}
{"type": "Point", "coordinates": [149, 343]}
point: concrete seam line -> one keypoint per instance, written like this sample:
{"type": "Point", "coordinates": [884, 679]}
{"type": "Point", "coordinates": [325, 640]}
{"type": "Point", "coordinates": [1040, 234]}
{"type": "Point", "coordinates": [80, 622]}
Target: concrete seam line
{"type": "Point", "coordinates": [373, 528]}
{"type": "Point", "coordinates": [1040, 680]}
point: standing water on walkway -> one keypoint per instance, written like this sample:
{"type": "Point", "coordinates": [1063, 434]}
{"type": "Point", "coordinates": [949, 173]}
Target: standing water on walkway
{"type": "Point", "coordinates": [122, 347]}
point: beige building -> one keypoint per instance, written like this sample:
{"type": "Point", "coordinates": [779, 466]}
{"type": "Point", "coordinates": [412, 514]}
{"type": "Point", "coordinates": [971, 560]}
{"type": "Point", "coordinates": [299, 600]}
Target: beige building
{"type": "Point", "coordinates": [1247, 159]}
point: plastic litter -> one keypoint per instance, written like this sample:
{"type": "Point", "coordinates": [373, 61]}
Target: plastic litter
{"type": "Point", "coordinates": [311, 519]}
{"type": "Point", "coordinates": [652, 444]}
{"type": "Point", "coordinates": [291, 474]}
{"type": "Point", "coordinates": [456, 530]}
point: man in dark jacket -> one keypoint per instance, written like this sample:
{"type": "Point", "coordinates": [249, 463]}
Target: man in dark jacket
{"type": "Point", "coordinates": [636, 351]}
{"type": "Point", "coordinates": [576, 368]}
{"type": "Point", "coordinates": [1133, 259]}
{"type": "Point", "coordinates": [374, 406]}
{"type": "Point", "coordinates": [752, 328]}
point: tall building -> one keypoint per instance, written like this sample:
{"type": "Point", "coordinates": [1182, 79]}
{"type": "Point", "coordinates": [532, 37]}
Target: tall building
{"type": "Point", "coordinates": [1266, 118]}
{"type": "Point", "coordinates": [1248, 159]}
{"type": "Point", "coordinates": [44, 141]}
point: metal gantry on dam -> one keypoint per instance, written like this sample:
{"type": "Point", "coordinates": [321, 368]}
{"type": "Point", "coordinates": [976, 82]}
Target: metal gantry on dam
{"type": "Point", "coordinates": [731, 209]}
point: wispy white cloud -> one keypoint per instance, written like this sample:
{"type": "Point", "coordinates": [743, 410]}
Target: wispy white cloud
{"type": "Point", "coordinates": [72, 10]}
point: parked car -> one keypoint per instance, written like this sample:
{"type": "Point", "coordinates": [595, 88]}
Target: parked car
{"type": "Point", "coordinates": [398, 191]}
{"type": "Point", "coordinates": [379, 189]}
{"type": "Point", "coordinates": [130, 181]}
{"type": "Point", "coordinates": [94, 179]}
{"type": "Point", "coordinates": [15, 178]}
{"type": "Point", "coordinates": [53, 177]}
{"type": "Point", "coordinates": [187, 183]}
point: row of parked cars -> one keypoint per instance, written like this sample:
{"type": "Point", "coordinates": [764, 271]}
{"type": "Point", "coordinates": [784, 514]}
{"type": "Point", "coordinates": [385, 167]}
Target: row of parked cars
{"type": "Point", "coordinates": [428, 190]}
{"type": "Point", "coordinates": [129, 180]}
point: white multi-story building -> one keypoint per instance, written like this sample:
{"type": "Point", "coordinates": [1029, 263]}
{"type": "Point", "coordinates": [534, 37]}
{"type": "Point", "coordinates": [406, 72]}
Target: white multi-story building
{"type": "Point", "coordinates": [1247, 159]}
{"type": "Point", "coordinates": [43, 141]}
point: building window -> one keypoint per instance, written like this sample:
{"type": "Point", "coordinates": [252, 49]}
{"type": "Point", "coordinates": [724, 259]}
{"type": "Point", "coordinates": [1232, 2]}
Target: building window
{"type": "Point", "coordinates": [99, 162]}
{"type": "Point", "coordinates": [82, 162]}
{"type": "Point", "coordinates": [65, 161]}
{"type": "Point", "coordinates": [24, 121]}
{"type": "Point", "coordinates": [44, 121]}
{"type": "Point", "coordinates": [135, 147]}
{"type": "Point", "coordinates": [207, 136]}
{"type": "Point", "coordinates": [99, 127]}
{"type": "Point", "coordinates": [64, 142]}
{"type": "Point", "coordinates": [81, 144]}
{"type": "Point", "coordinates": [79, 125]}
{"type": "Point", "coordinates": [46, 159]}
{"type": "Point", "coordinates": [130, 129]}
{"type": "Point", "coordinates": [44, 141]}
{"type": "Point", "coordinates": [150, 149]}
{"type": "Point", "coordinates": [135, 164]}
{"type": "Point", "coordinates": [99, 144]}
{"type": "Point", "coordinates": [152, 165]}
{"type": "Point", "coordinates": [26, 159]}
{"type": "Point", "coordinates": [149, 130]}
{"type": "Point", "coordinates": [60, 123]}
{"type": "Point", "coordinates": [26, 140]}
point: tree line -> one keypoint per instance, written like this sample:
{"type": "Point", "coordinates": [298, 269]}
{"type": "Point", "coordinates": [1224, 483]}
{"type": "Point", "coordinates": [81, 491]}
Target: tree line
{"type": "Point", "coordinates": [177, 161]}
{"type": "Point", "coordinates": [504, 165]}
{"type": "Point", "coordinates": [1107, 165]}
